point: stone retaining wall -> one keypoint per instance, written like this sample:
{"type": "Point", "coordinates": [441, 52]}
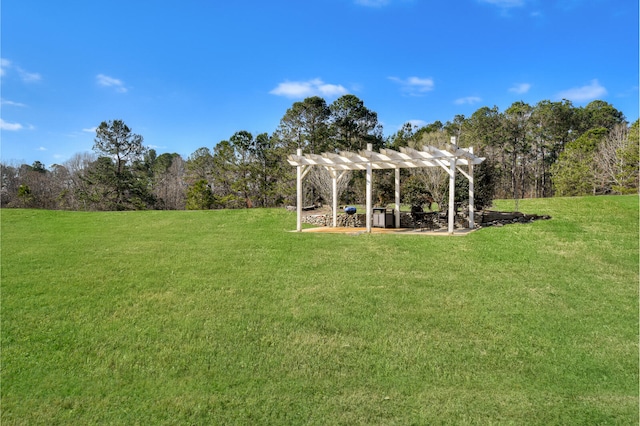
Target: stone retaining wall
{"type": "Point", "coordinates": [432, 220]}
{"type": "Point", "coordinates": [357, 220]}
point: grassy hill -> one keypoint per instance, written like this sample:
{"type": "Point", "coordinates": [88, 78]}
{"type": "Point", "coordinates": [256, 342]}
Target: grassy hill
{"type": "Point", "coordinates": [224, 317]}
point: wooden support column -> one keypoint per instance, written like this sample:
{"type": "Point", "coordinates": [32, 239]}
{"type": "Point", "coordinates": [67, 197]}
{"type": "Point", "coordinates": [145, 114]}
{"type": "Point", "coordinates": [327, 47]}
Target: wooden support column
{"type": "Point", "coordinates": [299, 194]}
{"type": "Point", "coordinates": [397, 198]}
{"type": "Point", "coordinates": [452, 190]}
{"type": "Point", "coordinates": [471, 200]}
{"type": "Point", "coordinates": [334, 199]}
{"type": "Point", "coordinates": [369, 148]}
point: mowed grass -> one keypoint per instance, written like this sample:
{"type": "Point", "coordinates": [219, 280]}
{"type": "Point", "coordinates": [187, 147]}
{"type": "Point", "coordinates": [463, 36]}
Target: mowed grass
{"type": "Point", "coordinates": [225, 317]}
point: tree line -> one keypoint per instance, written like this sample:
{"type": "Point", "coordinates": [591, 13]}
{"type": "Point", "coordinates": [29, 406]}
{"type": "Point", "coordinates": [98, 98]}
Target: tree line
{"type": "Point", "coordinates": [542, 150]}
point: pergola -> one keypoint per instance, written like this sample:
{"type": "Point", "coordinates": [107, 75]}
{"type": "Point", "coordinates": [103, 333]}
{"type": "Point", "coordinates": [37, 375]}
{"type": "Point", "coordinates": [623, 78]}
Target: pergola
{"type": "Point", "coordinates": [450, 160]}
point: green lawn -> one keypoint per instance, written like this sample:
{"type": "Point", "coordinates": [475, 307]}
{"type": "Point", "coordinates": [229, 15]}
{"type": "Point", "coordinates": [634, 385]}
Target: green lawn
{"type": "Point", "coordinates": [225, 317]}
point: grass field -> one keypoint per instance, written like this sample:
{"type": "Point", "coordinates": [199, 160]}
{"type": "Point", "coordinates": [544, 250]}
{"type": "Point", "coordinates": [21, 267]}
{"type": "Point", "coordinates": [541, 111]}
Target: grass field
{"type": "Point", "coordinates": [224, 317]}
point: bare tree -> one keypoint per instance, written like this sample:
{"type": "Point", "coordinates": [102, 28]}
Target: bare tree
{"type": "Point", "coordinates": [10, 176]}
{"type": "Point", "coordinates": [77, 166]}
{"type": "Point", "coordinates": [434, 178]}
{"type": "Point", "coordinates": [321, 179]}
{"type": "Point", "coordinates": [171, 186]}
{"type": "Point", "coordinates": [615, 169]}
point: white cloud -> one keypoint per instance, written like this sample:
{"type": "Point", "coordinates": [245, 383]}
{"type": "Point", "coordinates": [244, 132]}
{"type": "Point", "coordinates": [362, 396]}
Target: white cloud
{"type": "Point", "coordinates": [11, 103]}
{"type": "Point", "coordinates": [10, 126]}
{"type": "Point", "coordinates": [305, 89]}
{"type": "Point", "coordinates": [585, 93]}
{"type": "Point", "coordinates": [90, 130]}
{"type": "Point", "coordinates": [106, 81]}
{"type": "Point", "coordinates": [372, 3]}
{"type": "Point", "coordinates": [4, 64]}
{"type": "Point", "coordinates": [415, 86]}
{"type": "Point", "coordinates": [417, 123]}
{"type": "Point", "coordinates": [469, 100]}
{"type": "Point", "coordinates": [25, 76]}
{"type": "Point", "coordinates": [28, 77]}
{"type": "Point", "coordinates": [42, 148]}
{"type": "Point", "coordinates": [379, 3]}
{"type": "Point", "coordinates": [505, 6]}
{"type": "Point", "coordinates": [505, 3]}
{"type": "Point", "coordinates": [520, 88]}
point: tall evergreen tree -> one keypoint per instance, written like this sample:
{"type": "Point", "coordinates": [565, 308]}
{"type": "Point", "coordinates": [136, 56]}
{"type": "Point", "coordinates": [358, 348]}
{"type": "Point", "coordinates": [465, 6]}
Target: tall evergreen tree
{"type": "Point", "coordinates": [354, 125]}
{"type": "Point", "coordinates": [119, 148]}
{"type": "Point", "coordinates": [306, 125]}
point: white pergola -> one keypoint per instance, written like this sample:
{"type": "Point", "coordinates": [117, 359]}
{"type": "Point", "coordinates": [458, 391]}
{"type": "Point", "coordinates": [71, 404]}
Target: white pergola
{"type": "Point", "coordinates": [450, 160]}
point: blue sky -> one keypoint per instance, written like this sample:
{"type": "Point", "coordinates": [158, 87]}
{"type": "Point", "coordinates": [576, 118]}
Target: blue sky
{"type": "Point", "coordinates": [187, 74]}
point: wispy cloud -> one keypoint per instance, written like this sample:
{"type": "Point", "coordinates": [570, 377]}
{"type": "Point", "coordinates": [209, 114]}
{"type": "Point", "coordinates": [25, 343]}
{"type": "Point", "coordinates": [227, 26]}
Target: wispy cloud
{"type": "Point", "coordinates": [585, 93]}
{"type": "Point", "coordinates": [469, 100]}
{"type": "Point", "coordinates": [631, 91]}
{"type": "Point", "coordinates": [11, 103]}
{"type": "Point", "coordinates": [12, 127]}
{"type": "Point", "coordinates": [4, 65]}
{"type": "Point", "coordinates": [106, 81]}
{"type": "Point", "coordinates": [520, 88]}
{"type": "Point", "coordinates": [417, 123]}
{"type": "Point", "coordinates": [506, 4]}
{"type": "Point", "coordinates": [26, 76]}
{"type": "Point", "coordinates": [305, 89]}
{"type": "Point", "coordinates": [381, 3]}
{"type": "Point", "coordinates": [414, 86]}
{"type": "Point", "coordinates": [89, 130]}
{"type": "Point", "coordinates": [372, 3]}
{"type": "Point", "coordinates": [505, 7]}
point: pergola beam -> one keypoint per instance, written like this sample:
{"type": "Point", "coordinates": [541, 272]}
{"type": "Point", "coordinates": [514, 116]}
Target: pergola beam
{"type": "Point", "coordinates": [357, 163]}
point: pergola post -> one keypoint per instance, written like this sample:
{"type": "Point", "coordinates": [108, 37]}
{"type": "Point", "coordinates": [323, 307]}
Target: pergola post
{"type": "Point", "coordinates": [471, 200]}
{"type": "Point", "coordinates": [452, 190]}
{"type": "Point", "coordinates": [369, 148]}
{"type": "Point", "coordinates": [334, 183]}
{"type": "Point", "coordinates": [299, 193]}
{"type": "Point", "coordinates": [397, 198]}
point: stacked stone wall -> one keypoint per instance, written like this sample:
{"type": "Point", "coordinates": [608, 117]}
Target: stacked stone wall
{"type": "Point", "coordinates": [357, 220]}
{"type": "Point", "coordinates": [431, 220]}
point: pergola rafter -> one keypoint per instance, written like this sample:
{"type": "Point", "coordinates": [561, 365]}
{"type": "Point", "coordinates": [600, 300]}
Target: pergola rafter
{"type": "Point", "coordinates": [450, 160]}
